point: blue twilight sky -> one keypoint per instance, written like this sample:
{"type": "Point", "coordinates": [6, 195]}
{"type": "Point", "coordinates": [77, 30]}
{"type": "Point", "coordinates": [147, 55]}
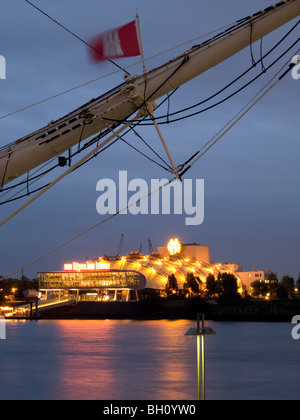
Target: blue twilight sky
{"type": "Point", "coordinates": [252, 196]}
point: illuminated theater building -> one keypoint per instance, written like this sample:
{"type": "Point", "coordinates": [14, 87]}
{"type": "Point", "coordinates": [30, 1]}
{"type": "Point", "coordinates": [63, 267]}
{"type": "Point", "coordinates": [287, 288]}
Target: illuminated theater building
{"type": "Point", "coordinates": [120, 279]}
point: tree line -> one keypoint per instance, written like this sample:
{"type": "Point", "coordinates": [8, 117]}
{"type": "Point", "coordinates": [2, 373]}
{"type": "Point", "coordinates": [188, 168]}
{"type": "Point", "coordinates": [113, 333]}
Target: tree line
{"type": "Point", "coordinates": [19, 285]}
{"type": "Point", "coordinates": [224, 286]}
{"type": "Point", "coordinates": [286, 288]}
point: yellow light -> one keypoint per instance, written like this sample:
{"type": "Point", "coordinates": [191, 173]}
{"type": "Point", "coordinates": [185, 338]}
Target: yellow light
{"type": "Point", "coordinates": [102, 265]}
{"type": "Point", "coordinates": [174, 246]}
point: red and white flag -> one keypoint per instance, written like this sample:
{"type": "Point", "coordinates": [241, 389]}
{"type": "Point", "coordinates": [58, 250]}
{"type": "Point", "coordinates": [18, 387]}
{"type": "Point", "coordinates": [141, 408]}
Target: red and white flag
{"type": "Point", "coordinates": [116, 43]}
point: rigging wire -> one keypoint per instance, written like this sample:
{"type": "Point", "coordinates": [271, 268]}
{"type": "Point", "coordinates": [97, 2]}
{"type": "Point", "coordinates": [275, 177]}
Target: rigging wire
{"type": "Point", "coordinates": [40, 176]}
{"type": "Point", "coordinates": [199, 112]}
{"type": "Point", "coordinates": [59, 178]}
{"type": "Point", "coordinates": [31, 180]}
{"type": "Point", "coordinates": [127, 122]}
{"type": "Point", "coordinates": [233, 94]}
{"type": "Point", "coordinates": [87, 157]}
{"type": "Point", "coordinates": [151, 148]}
{"type": "Point", "coordinates": [73, 34]}
{"type": "Point", "coordinates": [185, 59]}
{"type": "Point", "coordinates": [88, 230]}
{"type": "Point", "coordinates": [223, 100]}
{"type": "Point", "coordinates": [132, 128]}
{"type": "Point", "coordinates": [85, 146]}
{"type": "Point", "coordinates": [264, 70]}
{"type": "Point", "coordinates": [88, 144]}
{"type": "Point", "coordinates": [143, 154]}
{"type": "Point", "coordinates": [217, 137]}
{"type": "Point", "coordinates": [257, 98]}
{"type": "Point", "coordinates": [103, 221]}
{"type": "Point", "coordinates": [251, 46]}
{"type": "Point", "coordinates": [110, 74]}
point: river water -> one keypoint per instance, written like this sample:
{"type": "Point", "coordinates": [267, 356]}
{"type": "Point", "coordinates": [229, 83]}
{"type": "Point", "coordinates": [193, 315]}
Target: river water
{"type": "Point", "coordinates": [146, 360]}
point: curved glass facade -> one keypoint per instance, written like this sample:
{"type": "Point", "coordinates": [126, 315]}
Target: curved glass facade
{"type": "Point", "coordinates": [92, 280]}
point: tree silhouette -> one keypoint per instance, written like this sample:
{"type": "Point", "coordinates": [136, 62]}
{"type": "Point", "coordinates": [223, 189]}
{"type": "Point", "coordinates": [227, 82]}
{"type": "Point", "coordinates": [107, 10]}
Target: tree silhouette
{"type": "Point", "coordinates": [259, 288]}
{"type": "Point", "coordinates": [171, 286]}
{"type": "Point", "coordinates": [211, 285]}
{"type": "Point", "coordinates": [227, 286]}
{"type": "Point", "coordinates": [289, 284]}
{"type": "Point", "coordinates": [191, 285]}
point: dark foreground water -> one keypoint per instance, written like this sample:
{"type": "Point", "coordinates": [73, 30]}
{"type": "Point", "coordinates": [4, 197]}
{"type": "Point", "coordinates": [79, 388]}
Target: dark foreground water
{"type": "Point", "coordinates": [146, 360]}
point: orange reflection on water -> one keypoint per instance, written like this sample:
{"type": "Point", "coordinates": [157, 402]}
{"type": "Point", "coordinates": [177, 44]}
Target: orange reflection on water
{"type": "Point", "coordinates": [126, 360]}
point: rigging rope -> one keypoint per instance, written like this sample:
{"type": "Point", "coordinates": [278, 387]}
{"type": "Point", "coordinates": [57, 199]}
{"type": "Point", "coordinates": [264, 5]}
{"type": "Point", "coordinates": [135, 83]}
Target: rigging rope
{"type": "Point", "coordinates": [201, 111]}
{"type": "Point", "coordinates": [233, 94]}
{"type": "Point", "coordinates": [43, 191]}
{"type": "Point", "coordinates": [238, 117]}
{"type": "Point", "coordinates": [167, 116]}
{"type": "Point", "coordinates": [257, 99]}
{"type": "Point", "coordinates": [89, 143]}
{"type": "Point", "coordinates": [86, 231]}
{"type": "Point", "coordinates": [109, 74]}
{"type": "Point", "coordinates": [264, 70]}
{"type": "Point", "coordinates": [73, 34]}
{"type": "Point", "coordinates": [188, 108]}
{"type": "Point", "coordinates": [189, 160]}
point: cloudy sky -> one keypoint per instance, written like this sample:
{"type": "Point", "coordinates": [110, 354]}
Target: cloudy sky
{"type": "Point", "coordinates": [252, 196]}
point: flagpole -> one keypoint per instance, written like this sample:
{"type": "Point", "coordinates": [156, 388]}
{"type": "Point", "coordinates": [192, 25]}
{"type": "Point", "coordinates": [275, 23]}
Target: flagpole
{"type": "Point", "coordinates": [140, 40]}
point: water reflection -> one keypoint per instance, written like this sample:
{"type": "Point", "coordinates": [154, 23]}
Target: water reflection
{"type": "Point", "coordinates": [132, 360]}
{"type": "Point", "coordinates": [126, 360]}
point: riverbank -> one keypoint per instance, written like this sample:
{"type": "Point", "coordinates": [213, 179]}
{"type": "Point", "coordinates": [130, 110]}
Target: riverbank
{"type": "Point", "coordinates": [275, 311]}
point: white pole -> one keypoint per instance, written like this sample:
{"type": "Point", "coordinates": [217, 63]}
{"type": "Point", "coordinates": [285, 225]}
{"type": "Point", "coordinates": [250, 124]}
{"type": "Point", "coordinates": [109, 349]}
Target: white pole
{"type": "Point", "coordinates": [175, 170]}
{"type": "Point", "coordinates": [145, 77]}
{"type": "Point", "coordinates": [140, 41]}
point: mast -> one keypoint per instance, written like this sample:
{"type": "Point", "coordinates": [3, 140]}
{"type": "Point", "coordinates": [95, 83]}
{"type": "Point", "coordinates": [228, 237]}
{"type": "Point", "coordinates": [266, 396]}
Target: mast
{"type": "Point", "coordinates": [109, 110]}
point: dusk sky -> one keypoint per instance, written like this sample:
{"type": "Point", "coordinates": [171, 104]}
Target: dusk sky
{"type": "Point", "coordinates": [252, 196]}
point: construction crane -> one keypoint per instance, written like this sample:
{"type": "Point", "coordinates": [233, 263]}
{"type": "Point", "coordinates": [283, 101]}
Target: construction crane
{"type": "Point", "coordinates": [150, 246]}
{"type": "Point", "coordinates": [120, 247]}
{"type": "Point", "coordinates": [137, 94]}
